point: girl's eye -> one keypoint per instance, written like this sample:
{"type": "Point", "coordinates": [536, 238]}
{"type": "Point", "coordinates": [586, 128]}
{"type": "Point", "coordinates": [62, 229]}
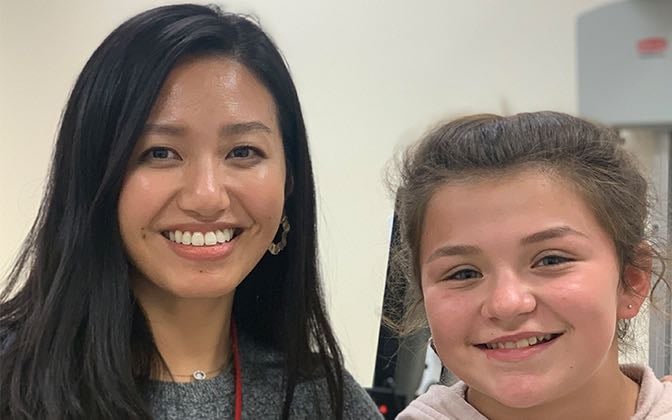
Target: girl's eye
{"type": "Point", "coordinates": [159, 153]}
{"type": "Point", "coordinates": [552, 260]}
{"type": "Point", "coordinates": [466, 274]}
{"type": "Point", "coordinates": [244, 152]}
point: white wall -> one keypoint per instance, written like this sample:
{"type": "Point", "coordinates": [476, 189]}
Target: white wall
{"type": "Point", "coordinates": [372, 75]}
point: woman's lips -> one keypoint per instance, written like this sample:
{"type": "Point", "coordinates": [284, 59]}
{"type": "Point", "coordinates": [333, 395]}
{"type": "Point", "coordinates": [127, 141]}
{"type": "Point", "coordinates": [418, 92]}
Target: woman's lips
{"type": "Point", "coordinates": [209, 252]}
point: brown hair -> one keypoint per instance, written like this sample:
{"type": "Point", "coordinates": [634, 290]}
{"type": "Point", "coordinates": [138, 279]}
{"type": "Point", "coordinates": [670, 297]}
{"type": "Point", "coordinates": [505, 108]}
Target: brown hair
{"type": "Point", "coordinates": [589, 156]}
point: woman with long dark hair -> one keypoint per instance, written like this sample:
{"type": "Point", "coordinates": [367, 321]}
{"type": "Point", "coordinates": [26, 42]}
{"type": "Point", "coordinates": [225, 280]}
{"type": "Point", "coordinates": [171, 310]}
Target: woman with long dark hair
{"type": "Point", "coordinates": [172, 269]}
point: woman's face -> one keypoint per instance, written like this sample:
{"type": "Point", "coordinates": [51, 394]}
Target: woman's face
{"type": "Point", "coordinates": [520, 286]}
{"type": "Point", "coordinates": [204, 192]}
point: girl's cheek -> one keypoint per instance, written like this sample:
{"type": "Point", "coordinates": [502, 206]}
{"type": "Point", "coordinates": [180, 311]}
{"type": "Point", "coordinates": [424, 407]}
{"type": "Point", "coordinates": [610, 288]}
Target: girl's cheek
{"type": "Point", "coordinates": [443, 310]}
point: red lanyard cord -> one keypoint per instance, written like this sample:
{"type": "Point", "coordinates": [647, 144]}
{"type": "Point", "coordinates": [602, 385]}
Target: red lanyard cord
{"type": "Point", "coordinates": [237, 373]}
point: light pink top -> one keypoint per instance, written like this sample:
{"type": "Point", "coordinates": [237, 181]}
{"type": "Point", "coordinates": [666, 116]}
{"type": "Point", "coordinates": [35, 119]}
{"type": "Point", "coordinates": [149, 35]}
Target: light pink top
{"type": "Point", "coordinates": [448, 403]}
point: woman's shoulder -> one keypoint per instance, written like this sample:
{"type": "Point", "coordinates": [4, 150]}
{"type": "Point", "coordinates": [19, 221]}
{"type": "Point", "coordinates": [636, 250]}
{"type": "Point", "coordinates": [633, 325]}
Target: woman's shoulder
{"type": "Point", "coordinates": [357, 404]}
{"type": "Point", "coordinates": [441, 402]}
{"type": "Point", "coordinates": [262, 370]}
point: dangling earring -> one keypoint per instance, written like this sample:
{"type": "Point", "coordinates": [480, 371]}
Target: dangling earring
{"type": "Point", "coordinates": [275, 248]}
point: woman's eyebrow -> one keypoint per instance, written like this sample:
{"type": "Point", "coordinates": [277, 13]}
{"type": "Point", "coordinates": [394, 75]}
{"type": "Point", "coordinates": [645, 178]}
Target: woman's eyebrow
{"type": "Point", "coordinates": [237, 129]}
{"type": "Point", "coordinates": [174, 130]}
{"type": "Point", "coordinates": [234, 129]}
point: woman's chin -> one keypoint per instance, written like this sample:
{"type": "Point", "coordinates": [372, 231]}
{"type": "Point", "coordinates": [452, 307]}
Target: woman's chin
{"type": "Point", "coordinates": [201, 291]}
{"type": "Point", "coordinates": [203, 287]}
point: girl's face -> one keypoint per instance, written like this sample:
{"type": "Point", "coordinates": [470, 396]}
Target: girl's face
{"type": "Point", "coordinates": [521, 288]}
{"type": "Point", "coordinates": [204, 193]}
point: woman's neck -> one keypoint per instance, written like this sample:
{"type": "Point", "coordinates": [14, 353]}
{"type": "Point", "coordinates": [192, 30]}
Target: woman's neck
{"type": "Point", "coordinates": [609, 394]}
{"type": "Point", "coordinates": [190, 333]}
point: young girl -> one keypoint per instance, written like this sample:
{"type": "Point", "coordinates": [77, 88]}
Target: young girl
{"type": "Point", "coordinates": [161, 278]}
{"type": "Point", "coordinates": [525, 239]}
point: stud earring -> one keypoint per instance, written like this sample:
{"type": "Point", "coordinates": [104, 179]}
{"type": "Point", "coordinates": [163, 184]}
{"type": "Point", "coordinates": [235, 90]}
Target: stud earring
{"type": "Point", "coordinates": [629, 305]}
{"type": "Point", "coordinates": [275, 248]}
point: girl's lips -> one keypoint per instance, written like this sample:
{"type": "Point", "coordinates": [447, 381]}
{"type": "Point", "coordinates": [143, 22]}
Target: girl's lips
{"type": "Point", "coordinates": [518, 354]}
{"type": "Point", "coordinates": [519, 340]}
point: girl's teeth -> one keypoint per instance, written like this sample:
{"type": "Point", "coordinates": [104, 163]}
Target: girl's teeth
{"type": "Point", "coordinates": [209, 238]}
{"type": "Point", "coordinates": [522, 343]}
{"type": "Point", "coordinates": [525, 342]}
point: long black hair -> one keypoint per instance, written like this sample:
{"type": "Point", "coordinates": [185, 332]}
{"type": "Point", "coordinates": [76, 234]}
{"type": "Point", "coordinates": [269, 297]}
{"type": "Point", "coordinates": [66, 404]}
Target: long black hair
{"type": "Point", "coordinates": [76, 343]}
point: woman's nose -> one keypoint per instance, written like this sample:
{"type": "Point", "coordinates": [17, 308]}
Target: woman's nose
{"type": "Point", "coordinates": [204, 192]}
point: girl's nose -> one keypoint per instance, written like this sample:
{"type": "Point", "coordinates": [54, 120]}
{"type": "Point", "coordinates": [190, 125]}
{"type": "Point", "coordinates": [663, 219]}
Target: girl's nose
{"type": "Point", "coordinates": [508, 298]}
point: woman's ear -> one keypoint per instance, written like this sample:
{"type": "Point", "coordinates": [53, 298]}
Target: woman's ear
{"type": "Point", "coordinates": [637, 283]}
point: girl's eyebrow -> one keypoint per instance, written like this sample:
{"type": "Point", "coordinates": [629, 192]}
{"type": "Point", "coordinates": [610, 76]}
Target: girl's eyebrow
{"type": "Point", "coordinates": [555, 232]}
{"type": "Point", "coordinates": [451, 250]}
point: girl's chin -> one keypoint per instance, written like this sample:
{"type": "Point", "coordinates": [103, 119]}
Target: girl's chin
{"type": "Point", "coordinates": [522, 397]}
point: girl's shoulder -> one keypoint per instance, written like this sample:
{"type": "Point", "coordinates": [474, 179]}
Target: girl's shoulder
{"type": "Point", "coordinates": [655, 397]}
{"type": "Point", "coordinates": [441, 402]}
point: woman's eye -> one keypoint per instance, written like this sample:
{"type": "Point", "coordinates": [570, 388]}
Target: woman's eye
{"type": "Point", "coordinates": [159, 153]}
{"type": "Point", "coordinates": [244, 152]}
{"type": "Point", "coordinates": [552, 260]}
{"type": "Point", "coordinates": [466, 274]}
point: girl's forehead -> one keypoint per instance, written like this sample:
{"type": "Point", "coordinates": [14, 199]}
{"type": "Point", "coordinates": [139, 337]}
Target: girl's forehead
{"type": "Point", "coordinates": [511, 205]}
{"type": "Point", "coordinates": [494, 180]}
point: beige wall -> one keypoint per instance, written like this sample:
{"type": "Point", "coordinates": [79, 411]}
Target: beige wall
{"type": "Point", "coordinates": [371, 75]}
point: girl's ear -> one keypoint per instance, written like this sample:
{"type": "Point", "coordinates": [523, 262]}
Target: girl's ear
{"type": "Point", "coordinates": [637, 281]}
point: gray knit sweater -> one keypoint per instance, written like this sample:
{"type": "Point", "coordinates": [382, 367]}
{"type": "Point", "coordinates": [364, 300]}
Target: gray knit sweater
{"type": "Point", "coordinates": [263, 396]}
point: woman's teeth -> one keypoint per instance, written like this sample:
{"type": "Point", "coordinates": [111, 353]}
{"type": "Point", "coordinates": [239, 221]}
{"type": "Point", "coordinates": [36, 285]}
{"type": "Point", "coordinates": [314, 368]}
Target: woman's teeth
{"type": "Point", "coordinates": [525, 342]}
{"type": "Point", "coordinates": [201, 238]}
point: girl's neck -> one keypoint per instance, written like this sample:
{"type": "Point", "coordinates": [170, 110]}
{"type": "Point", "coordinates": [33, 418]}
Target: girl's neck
{"type": "Point", "coordinates": [609, 394]}
{"type": "Point", "coordinates": [190, 334]}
